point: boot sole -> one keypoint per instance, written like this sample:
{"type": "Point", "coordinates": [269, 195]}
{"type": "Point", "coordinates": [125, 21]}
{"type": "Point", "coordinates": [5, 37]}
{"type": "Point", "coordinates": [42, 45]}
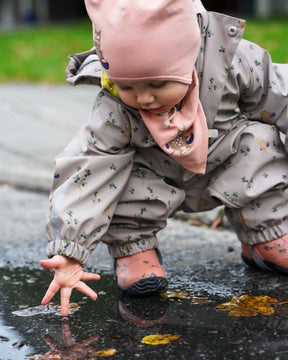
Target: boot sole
{"type": "Point", "coordinates": [145, 287]}
{"type": "Point", "coordinates": [270, 266]}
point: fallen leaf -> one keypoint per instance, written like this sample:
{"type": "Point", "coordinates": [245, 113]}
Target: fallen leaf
{"type": "Point", "coordinates": [159, 339]}
{"type": "Point", "coordinates": [73, 307]}
{"type": "Point", "coordinates": [19, 344]}
{"type": "Point", "coordinates": [200, 301]}
{"type": "Point", "coordinates": [281, 309]}
{"type": "Point", "coordinates": [218, 221]}
{"type": "Point", "coordinates": [196, 223]}
{"type": "Point", "coordinates": [35, 310]}
{"type": "Point", "coordinates": [246, 305]}
{"type": "Point", "coordinates": [45, 309]}
{"type": "Point", "coordinates": [170, 294]}
{"type": "Point", "coordinates": [105, 353]}
{"type": "Point", "coordinates": [101, 292]}
{"type": "Point", "coordinates": [3, 339]}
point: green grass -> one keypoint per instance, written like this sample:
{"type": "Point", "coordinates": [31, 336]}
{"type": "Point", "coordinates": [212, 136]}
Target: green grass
{"type": "Point", "coordinates": [40, 54]}
{"type": "Point", "coordinates": [271, 35]}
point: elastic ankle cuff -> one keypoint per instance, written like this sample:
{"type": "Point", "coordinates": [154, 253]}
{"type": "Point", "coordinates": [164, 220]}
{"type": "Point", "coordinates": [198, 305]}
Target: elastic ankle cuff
{"type": "Point", "coordinates": [133, 247]}
{"type": "Point", "coordinates": [270, 233]}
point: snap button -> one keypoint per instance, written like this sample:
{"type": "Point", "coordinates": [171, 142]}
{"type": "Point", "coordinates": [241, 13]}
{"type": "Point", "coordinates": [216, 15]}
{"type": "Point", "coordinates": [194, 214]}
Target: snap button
{"type": "Point", "coordinates": [233, 30]}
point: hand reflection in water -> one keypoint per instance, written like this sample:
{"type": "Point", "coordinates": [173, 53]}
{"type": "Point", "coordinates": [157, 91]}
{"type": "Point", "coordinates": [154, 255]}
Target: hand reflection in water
{"type": "Point", "coordinates": [70, 349]}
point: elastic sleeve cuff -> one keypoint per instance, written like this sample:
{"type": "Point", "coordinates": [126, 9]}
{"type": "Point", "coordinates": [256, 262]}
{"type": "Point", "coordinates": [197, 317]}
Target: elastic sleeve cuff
{"type": "Point", "coordinates": [69, 249]}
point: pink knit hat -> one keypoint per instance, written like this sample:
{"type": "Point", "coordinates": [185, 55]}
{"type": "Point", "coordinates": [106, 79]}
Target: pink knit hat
{"type": "Point", "coordinates": [145, 39]}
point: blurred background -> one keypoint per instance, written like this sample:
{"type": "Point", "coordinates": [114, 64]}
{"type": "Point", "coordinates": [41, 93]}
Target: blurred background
{"type": "Point", "coordinates": [36, 36]}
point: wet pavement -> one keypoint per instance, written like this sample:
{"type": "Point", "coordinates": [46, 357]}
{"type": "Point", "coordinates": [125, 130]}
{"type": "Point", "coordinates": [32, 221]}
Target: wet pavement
{"type": "Point", "coordinates": [204, 264]}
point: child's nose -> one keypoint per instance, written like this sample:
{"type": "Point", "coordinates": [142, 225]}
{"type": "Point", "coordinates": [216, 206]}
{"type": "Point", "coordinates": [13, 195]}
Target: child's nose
{"type": "Point", "coordinates": [145, 98]}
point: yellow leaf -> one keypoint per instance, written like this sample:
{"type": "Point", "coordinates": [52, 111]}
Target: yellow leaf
{"type": "Point", "coordinates": [170, 294]}
{"type": "Point", "coordinates": [105, 353]}
{"type": "Point", "coordinates": [159, 339]}
{"type": "Point", "coordinates": [246, 305]}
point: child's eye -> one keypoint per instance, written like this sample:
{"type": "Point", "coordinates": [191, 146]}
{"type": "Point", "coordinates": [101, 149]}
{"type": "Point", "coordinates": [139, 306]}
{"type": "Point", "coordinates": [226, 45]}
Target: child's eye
{"type": "Point", "coordinates": [125, 88]}
{"type": "Point", "coordinates": [157, 84]}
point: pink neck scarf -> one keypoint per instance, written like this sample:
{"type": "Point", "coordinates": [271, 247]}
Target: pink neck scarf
{"type": "Point", "coordinates": [183, 135]}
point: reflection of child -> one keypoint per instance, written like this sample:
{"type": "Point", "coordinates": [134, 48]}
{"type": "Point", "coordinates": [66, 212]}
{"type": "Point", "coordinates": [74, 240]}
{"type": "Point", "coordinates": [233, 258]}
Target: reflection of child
{"type": "Point", "coordinates": [147, 151]}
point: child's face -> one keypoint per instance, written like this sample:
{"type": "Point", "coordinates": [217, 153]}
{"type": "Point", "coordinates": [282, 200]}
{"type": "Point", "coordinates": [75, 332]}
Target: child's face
{"type": "Point", "coordinates": [154, 96]}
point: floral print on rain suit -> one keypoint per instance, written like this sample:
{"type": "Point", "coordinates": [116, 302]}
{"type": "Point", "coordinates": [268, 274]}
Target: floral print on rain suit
{"type": "Point", "coordinates": [114, 184]}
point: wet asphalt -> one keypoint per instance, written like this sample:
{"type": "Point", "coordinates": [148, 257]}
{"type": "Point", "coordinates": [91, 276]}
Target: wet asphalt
{"type": "Point", "coordinates": [37, 121]}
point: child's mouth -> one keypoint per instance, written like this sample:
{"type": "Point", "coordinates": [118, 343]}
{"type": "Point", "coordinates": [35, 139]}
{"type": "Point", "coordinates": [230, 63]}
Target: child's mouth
{"type": "Point", "coordinates": [158, 111]}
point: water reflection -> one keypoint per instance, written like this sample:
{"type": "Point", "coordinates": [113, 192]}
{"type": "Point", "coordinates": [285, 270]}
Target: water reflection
{"type": "Point", "coordinates": [113, 321]}
{"type": "Point", "coordinates": [70, 349]}
{"type": "Point", "coordinates": [118, 322]}
{"type": "Point", "coordinates": [144, 312]}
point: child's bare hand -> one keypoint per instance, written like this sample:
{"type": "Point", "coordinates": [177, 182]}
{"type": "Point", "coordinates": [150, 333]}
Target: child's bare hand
{"type": "Point", "coordinates": [68, 274]}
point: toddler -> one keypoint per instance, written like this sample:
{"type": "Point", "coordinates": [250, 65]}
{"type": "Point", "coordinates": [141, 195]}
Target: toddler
{"type": "Point", "coordinates": [188, 118]}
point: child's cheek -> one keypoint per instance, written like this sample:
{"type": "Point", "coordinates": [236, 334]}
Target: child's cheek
{"type": "Point", "coordinates": [126, 98]}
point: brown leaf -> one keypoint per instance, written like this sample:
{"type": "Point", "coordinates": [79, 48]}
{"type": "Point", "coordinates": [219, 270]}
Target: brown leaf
{"type": "Point", "coordinates": [196, 223]}
{"type": "Point", "coordinates": [73, 307]}
{"type": "Point", "coordinates": [19, 344]}
{"type": "Point", "coordinates": [218, 221]}
{"type": "Point", "coordinates": [170, 294]}
{"type": "Point", "coordinates": [200, 301]}
{"type": "Point", "coordinates": [281, 309]}
{"type": "Point", "coordinates": [159, 339]}
{"type": "Point", "coordinates": [246, 305]}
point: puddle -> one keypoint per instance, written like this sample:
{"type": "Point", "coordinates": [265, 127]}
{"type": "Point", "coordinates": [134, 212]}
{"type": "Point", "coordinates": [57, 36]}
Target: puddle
{"type": "Point", "coordinates": [114, 325]}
